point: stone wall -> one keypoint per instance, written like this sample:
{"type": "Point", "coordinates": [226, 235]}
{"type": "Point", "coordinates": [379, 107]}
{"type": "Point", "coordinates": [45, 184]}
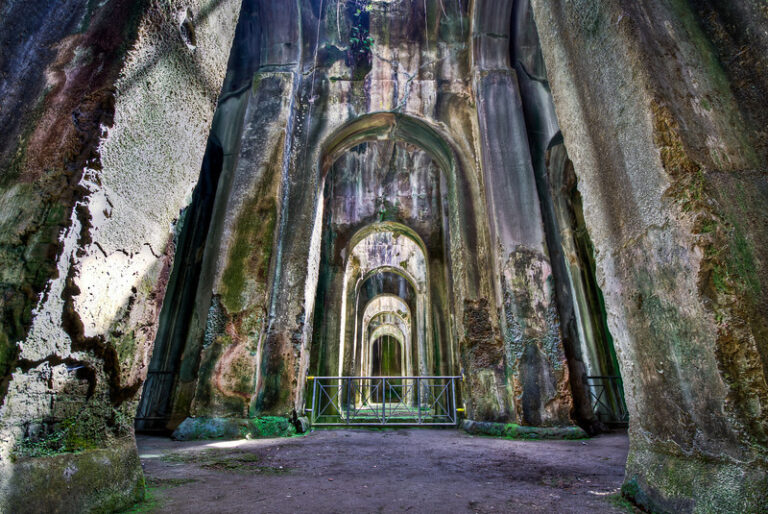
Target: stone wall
{"type": "Point", "coordinates": [385, 71]}
{"type": "Point", "coordinates": [301, 99]}
{"type": "Point", "coordinates": [107, 107]}
{"type": "Point", "coordinates": [656, 101]}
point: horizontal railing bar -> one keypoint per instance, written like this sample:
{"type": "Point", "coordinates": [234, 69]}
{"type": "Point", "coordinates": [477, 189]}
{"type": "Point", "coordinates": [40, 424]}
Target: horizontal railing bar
{"type": "Point", "coordinates": [318, 424]}
{"type": "Point", "coordinates": [379, 378]}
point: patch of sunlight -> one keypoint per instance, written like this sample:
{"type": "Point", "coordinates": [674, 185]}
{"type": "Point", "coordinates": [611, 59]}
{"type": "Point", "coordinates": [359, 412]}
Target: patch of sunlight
{"type": "Point", "coordinates": [226, 444]}
{"type": "Point", "coordinates": [605, 493]}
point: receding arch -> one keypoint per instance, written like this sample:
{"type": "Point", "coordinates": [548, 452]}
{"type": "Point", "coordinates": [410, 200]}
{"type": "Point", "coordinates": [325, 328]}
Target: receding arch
{"type": "Point", "coordinates": [406, 257]}
{"type": "Point", "coordinates": [451, 245]}
{"type": "Point", "coordinates": [392, 126]}
{"type": "Point", "coordinates": [386, 303]}
{"type": "Point", "coordinates": [465, 219]}
{"type": "Point", "coordinates": [395, 317]}
{"type": "Point", "coordinates": [387, 234]}
{"type": "Point", "coordinates": [413, 268]}
{"type": "Point", "coordinates": [390, 226]}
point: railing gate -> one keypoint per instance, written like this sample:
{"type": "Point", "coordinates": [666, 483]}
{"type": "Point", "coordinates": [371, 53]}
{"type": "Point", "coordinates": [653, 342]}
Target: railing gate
{"type": "Point", "coordinates": [394, 401]}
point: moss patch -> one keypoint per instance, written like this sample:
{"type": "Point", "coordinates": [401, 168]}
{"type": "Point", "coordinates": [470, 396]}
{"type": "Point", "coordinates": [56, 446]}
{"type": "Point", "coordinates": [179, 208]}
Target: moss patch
{"type": "Point", "coordinates": [270, 426]}
{"type": "Point", "coordinates": [85, 431]}
{"type": "Point", "coordinates": [620, 502]}
{"type": "Point", "coordinates": [514, 431]}
{"type": "Point", "coordinates": [150, 503]}
{"type": "Point", "coordinates": [250, 252]}
{"type": "Point", "coordinates": [234, 428]}
{"type": "Point", "coordinates": [245, 277]}
{"type": "Point", "coordinates": [99, 480]}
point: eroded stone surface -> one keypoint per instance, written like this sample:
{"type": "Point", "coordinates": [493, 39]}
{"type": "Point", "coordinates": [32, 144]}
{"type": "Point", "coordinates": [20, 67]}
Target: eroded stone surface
{"type": "Point", "coordinates": [108, 113]}
{"type": "Point", "coordinates": [649, 118]}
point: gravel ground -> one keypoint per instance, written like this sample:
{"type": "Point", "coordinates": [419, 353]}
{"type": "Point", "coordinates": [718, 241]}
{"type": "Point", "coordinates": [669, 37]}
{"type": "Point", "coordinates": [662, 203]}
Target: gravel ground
{"type": "Point", "coordinates": [414, 470]}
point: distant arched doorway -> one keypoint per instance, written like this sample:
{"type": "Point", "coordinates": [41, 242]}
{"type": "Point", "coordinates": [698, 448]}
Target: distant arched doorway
{"type": "Point", "coordinates": [397, 222]}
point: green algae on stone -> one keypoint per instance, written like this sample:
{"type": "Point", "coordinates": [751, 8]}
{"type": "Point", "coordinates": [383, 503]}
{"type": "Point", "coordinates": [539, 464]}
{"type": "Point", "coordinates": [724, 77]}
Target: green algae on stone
{"type": "Point", "coordinates": [674, 482]}
{"type": "Point", "coordinates": [270, 426]}
{"type": "Point", "coordinates": [250, 253]}
{"type": "Point", "coordinates": [234, 428]}
{"type": "Point", "coordinates": [93, 427]}
{"type": "Point", "coordinates": [97, 480]}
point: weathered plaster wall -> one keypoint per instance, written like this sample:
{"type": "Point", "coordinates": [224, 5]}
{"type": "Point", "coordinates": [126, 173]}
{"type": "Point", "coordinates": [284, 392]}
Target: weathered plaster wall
{"type": "Point", "coordinates": [109, 107]}
{"type": "Point", "coordinates": [672, 171]}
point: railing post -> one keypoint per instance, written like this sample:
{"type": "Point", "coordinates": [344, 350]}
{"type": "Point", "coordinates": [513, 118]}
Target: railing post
{"type": "Point", "coordinates": [418, 397]}
{"type": "Point", "coordinates": [383, 400]}
{"type": "Point", "coordinates": [314, 397]}
{"type": "Point", "coordinates": [453, 400]}
{"type": "Point", "coordinates": [349, 384]}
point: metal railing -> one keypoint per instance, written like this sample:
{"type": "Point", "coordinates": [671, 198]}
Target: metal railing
{"type": "Point", "coordinates": [607, 396]}
{"type": "Point", "coordinates": [153, 412]}
{"type": "Point", "coordinates": [374, 401]}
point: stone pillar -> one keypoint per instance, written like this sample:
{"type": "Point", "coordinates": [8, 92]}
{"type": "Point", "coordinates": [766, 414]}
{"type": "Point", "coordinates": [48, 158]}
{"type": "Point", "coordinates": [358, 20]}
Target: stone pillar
{"type": "Point", "coordinates": [670, 150]}
{"type": "Point", "coordinates": [220, 367]}
{"type": "Point", "coordinates": [535, 375]}
{"type": "Point", "coordinates": [229, 363]}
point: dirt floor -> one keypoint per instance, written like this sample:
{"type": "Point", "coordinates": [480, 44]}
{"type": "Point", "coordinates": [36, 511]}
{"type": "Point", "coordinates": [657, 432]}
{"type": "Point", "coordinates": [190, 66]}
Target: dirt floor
{"type": "Point", "coordinates": [414, 470]}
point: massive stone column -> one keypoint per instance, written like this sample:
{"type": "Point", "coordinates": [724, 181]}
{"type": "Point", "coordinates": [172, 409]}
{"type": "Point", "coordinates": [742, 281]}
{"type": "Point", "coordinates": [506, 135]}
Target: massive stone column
{"type": "Point", "coordinates": [227, 364]}
{"type": "Point", "coordinates": [659, 112]}
{"type": "Point", "coordinates": [106, 110]}
{"type": "Point", "coordinates": [223, 351]}
{"type": "Point", "coordinates": [543, 133]}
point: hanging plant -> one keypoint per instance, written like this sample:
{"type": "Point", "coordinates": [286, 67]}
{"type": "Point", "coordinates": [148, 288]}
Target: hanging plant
{"type": "Point", "coordinates": [360, 41]}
